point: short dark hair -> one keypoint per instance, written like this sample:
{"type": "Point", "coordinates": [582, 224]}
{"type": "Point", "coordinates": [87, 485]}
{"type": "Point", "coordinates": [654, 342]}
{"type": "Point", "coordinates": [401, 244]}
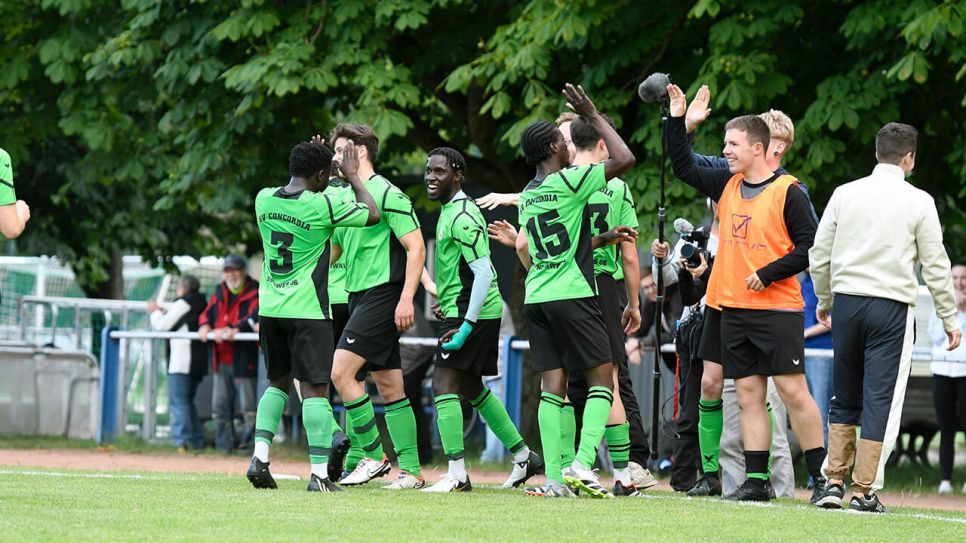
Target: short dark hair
{"type": "Point", "coordinates": [894, 141]}
{"type": "Point", "coordinates": [752, 125]}
{"type": "Point", "coordinates": [359, 134]}
{"type": "Point", "coordinates": [536, 140]}
{"type": "Point", "coordinates": [454, 157]}
{"type": "Point", "coordinates": [583, 133]}
{"type": "Point", "coordinates": [190, 283]}
{"type": "Point", "coordinates": [308, 159]}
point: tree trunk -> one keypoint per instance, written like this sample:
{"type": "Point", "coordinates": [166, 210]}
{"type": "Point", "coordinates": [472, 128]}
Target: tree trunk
{"type": "Point", "coordinates": [530, 387]}
{"type": "Point", "coordinates": [113, 287]}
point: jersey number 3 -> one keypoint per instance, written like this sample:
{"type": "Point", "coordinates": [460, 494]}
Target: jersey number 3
{"type": "Point", "coordinates": [545, 247]}
{"type": "Point", "coordinates": [284, 241]}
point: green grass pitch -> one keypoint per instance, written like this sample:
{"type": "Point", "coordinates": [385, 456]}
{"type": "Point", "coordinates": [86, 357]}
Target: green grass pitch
{"type": "Point", "coordinates": [41, 505]}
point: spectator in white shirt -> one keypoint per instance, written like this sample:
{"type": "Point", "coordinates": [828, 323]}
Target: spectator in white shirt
{"type": "Point", "coordinates": [949, 383]}
{"type": "Point", "coordinates": [187, 361]}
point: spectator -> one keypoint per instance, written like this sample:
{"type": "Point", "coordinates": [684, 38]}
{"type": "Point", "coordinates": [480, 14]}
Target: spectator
{"type": "Point", "coordinates": [187, 361]}
{"type": "Point", "coordinates": [818, 369]}
{"type": "Point", "coordinates": [233, 308]}
{"type": "Point", "coordinates": [949, 383]}
{"type": "Point", "coordinates": [873, 233]}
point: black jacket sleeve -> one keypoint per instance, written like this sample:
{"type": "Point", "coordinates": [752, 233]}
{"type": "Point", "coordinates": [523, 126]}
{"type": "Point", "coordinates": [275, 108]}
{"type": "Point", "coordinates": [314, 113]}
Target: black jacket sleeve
{"type": "Point", "coordinates": [711, 181]}
{"type": "Point", "coordinates": [801, 225]}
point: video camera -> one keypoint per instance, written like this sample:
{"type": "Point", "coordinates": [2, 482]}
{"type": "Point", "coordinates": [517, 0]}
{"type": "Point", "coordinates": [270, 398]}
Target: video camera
{"type": "Point", "coordinates": [696, 242]}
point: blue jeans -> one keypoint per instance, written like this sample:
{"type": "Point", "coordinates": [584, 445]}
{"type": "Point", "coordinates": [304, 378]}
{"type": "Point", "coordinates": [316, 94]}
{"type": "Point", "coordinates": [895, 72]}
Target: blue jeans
{"type": "Point", "coordinates": [185, 426]}
{"type": "Point", "coordinates": [818, 374]}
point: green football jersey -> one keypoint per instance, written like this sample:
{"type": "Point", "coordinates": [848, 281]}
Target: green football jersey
{"type": "Point", "coordinates": [611, 206]}
{"type": "Point", "coordinates": [296, 228]}
{"type": "Point", "coordinates": [337, 294]}
{"type": "Point", "coordinates": [373, 255]}
{"type": "Point", "coordinates": [460, 239]}
{"type": "Point", "coordinates": [555, 216]}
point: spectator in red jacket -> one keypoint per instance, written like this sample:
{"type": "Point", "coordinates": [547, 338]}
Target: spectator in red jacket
{"type": "Point", "coordinates": [233, 308]}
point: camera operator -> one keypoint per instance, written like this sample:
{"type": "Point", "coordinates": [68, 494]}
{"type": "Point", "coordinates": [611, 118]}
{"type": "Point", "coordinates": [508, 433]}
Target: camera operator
{"type": "Point", "coordinates": [687, 273]}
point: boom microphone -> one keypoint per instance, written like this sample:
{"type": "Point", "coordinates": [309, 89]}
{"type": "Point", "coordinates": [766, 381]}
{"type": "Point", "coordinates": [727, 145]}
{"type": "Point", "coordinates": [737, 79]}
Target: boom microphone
{"type": "Point", "coordinates": [683, 226]}
{"type": "Point", "coordinates": [654, 88]}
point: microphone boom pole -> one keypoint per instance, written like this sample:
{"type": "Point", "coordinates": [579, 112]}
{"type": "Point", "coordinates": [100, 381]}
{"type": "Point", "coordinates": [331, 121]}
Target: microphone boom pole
{"type": "Point", "coordinates": [659, 283]}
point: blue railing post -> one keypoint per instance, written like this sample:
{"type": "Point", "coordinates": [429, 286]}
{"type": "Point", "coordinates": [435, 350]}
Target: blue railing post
{"type": "Point", "coordinates": [512, 378]}
{"type": "Point", "coordinates": [110, 374]}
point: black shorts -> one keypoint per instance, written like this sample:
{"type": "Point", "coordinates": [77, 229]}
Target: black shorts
{"type": "Point", "coordinates": [709, 350]}
{"type": "Point", "coordinates": [478, 356]}
{"type": "Point", "coordinates": [611, 309]}
{"type": "Point", "coordinates": [762, 342]}
{"type": "Point", "coordinates": [371, 330]}
{"type": "Point", "coordinates": [303, 347]}
{"type": "Point", "coordinates": [340, 316]}
{"type": "Point", "coordinates": [567, 334]}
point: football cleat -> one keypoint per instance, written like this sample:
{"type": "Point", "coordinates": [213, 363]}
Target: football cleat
{"type": "Point", "coordinates": [367, 470]}
{"type": "Point", "coordinates": [340, 446]}
{"type": "Point", "coordinates": [259, 476]}
{"type": "Point", "coordinates": [581, 479]}
{"type": "Point", "coordinates": [707, 485]}
{"type": "Point", "coordinates": [406, 481]}
{"type": "Point", "coordinates": [752, 490]}
{"type": "Point", "coordinates": [318, 484]}
{"type": "Point", "coordinates": [449, 483]}
{"type": "Point", "coordinates": [522, 471]}
{"type": "Point", "coordinates": [629, 491]}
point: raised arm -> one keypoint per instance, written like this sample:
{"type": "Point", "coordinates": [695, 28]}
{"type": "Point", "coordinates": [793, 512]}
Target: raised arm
{"type": "Point", "coordinates": [710, 180]}
{"type": "Point", "coordinates": [621, 158]}
{"type": "Point", "coordinates": [350, 169]}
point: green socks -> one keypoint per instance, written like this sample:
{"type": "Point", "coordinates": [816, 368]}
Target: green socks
{"type": "Point", "coordinates": [599, 401]}
{"type": "Point", "coordinates": [496, 417]}
{"type": "Point", "coordinates": [710, 424]}
{"type": "Point", "coordinates": [317, 418]}
{"type": "Point", "coordinates": [548, 418]}
{"type": "Point", "coordinates": [449, 419]}
{"type": "Point", "coordinates": [362, 420]}
{"type": "Point", "coordinates": [568, 434]}
{"type": "Point", "coordinates": [618, 438]}
{"type": "Point", "coordinates": [401, 423]}
{"type": "Point", "coordinates": [355, 453]}
{"type": "Point", "coordinates": [267, 417]}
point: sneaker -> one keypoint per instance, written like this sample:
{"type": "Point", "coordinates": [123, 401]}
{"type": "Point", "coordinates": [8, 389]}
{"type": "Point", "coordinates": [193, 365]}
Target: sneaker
{"type": "Point", "coordinates": [641, 477]}
{"type": "Point", "coordinates": [583, 479]}
{"type": "Point", "coordinates": [629, 491]}
{"type": "Point", "coordinates": [538, 491]}
{"type": "Point", "coordinates": [866, 504]}
{"type": "Point", "coordinates": [406, 481]}
{"type": "Point", "coordinates": [707, 485]}
{"type": "Point", "coordinates": [553, 489]}
{"type": "Point", "coordinates": [449, 483]}
{"type": "Point", "coordinates": [830, 498]}
{"type": "Point", "coordinates": [367, 470]}
{"type": "Point", "coordinates": [818, 489]}
{"type": "Point", "coordinates": [946, 487]}
{"type": "Point", "coordinates": [522, 471]}
{"type": "Point", "coordinates": [259, 476]}
{"type": "Point", "coordinates": [771, 490]}
{"type": "Point", "coordinates": [340, 446]}
{"type": "Point", "coordinates": [752, 490]}
{"type": "Point", "coordinates": [318, 484]}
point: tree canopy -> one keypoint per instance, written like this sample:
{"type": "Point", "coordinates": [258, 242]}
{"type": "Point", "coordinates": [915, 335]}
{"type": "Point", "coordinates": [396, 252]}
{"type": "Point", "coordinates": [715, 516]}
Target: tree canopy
{"type": "Point", "coordinates": [148, 125]}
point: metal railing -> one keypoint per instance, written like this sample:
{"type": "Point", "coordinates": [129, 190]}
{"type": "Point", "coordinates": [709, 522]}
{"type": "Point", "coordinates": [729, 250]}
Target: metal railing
{"type": "Point", "coordinates": [116, 348]}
